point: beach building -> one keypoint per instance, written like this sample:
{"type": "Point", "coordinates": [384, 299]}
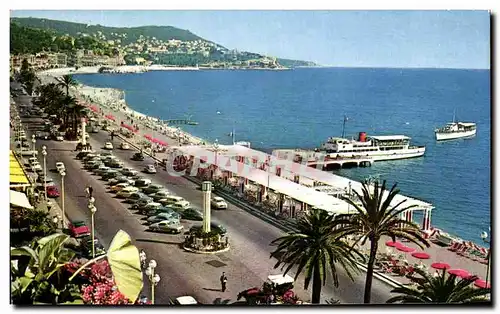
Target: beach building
{"type": "Point", "coordinates": [288, 180]}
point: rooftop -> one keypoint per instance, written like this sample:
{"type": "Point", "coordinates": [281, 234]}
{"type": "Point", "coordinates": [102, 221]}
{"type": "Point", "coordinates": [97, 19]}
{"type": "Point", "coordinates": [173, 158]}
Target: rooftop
{"type": "Point", "coordinates": [390, 137]}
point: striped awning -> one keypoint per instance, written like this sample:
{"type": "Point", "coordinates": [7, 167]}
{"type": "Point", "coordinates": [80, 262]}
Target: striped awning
{"type": "Point", "coordinates": [17, 174]}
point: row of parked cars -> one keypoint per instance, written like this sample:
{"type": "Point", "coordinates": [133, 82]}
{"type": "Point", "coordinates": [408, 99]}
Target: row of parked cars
{"type": "Point", "coordinates": [34, 165]}
{"type": "Point", "coordinates": [162, 209]}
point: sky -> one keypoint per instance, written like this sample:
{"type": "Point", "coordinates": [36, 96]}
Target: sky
{"type": "Point", "coordinates": [401, 39]}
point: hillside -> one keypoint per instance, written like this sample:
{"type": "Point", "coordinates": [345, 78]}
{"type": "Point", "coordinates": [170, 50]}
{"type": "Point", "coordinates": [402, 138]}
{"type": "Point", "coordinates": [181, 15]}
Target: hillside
{"type": "Point", "coordinates": [127, 35]}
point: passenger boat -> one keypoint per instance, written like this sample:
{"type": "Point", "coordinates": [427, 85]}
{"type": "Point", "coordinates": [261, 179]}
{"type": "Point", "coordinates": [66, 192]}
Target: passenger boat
{"type": "Point", "coordinates": [382, 147]}
{"type": "Point", "coordinates": [455, 130]}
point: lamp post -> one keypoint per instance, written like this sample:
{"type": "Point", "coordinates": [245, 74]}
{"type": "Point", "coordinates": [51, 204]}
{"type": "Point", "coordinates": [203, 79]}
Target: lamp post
{"type": "Point", "coordinates": [216, 149]}
{"type": "Point", "coordinates": [269, 165]}
{"type": "Point", "coordinates": [44, 153]}
{"type": "Point", "coordinates": [154, 279]}
{"type": "Point", "coordinates": [484, 236]}
{"type": "Point", "coordinates": [93, 210]}
{"type": "Point", "coordinates": [63, 174]}
{"type": "Point", "coordinates": [33, 140]}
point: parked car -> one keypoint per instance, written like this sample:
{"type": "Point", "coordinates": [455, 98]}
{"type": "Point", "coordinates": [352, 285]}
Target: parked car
{"type": "Point", "coordinates": [59, 137]}
{"type": "Point", "coordinates": [120, 179]}
{"type": "Point", "coordinates": [191, 214]}
{"type": "Point", "coordinates": [136, 196]}
{"type": "Point", "coordinates": [166, 226]}
{"type": "Point", "coordinates": [94, 165]}
{"type": "Point", "coordinates": [150, 169]}
{"type": "Point", "coordinates": [101, 170]}
{"type": "Point", "coordinates": [142, 182]}
{"type": "Point", "coordinates": [220, 229]}
{"type": "Point", "coordinates": [124, 146]}
{"type": "Point", "coordinates": [218, 202]}
{"type": "Point", "coordinates": [60, 166]}
{"type": "Point", "coordinates": [86, 246]}
{"type": "Point", "coordinates": [110, 174]}
{"type": "Point", "coordinates": [152, 188]}
{"type": "Point", "coordinates": [138, 157]}
{"type": "Point", "coordinates": [78, 229]}
{"type": "Point", "coordinates": [161, 194]}
{"type": "Point", "coordinates": [141, 203]}
{"type": "Point", "coordinates": [165, 210]}
{"type": "Point", "coordinates": [126, 192]}
{"type": "Point", "coordinates": [163, 216]}
{"type": "Point", "coordinates": [185, 300]}
{"type": "Point", "coordinates": [89, 156]}
{"type": "Point", "coordinates": [120, 186]}
{"type": "Point", "coordinates": [114, 164]}
{"type": "Point", "coordinates": [108, 145]}
{"type": "Point", "coordinates": [52, 191]}
{"type": "Point", "coordinates": [179, 206]}
{"type": "Point", "coordinates": [129, 172]}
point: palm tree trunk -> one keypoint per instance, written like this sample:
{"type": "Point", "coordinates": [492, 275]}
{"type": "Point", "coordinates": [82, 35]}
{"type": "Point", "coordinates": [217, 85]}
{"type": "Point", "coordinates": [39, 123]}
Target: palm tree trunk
{"type": "Point", "coordinates": [369, 271]}
{"type": "Point", "coordinates": [316, 293]}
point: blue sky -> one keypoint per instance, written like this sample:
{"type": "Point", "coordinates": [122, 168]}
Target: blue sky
{"type": "Point", "coordinates": [431, 39]}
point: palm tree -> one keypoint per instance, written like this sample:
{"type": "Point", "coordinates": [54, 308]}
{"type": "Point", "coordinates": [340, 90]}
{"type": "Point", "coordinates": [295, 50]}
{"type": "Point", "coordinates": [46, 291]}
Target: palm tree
{"type": "Point", "coordinates": [376, 218]}
{"type": "Point", "coordinates": [316, 248]}
{"type": "Point", "coordinates": [440, 289]}
{"type": "Point", "coordinates": [66, 82]}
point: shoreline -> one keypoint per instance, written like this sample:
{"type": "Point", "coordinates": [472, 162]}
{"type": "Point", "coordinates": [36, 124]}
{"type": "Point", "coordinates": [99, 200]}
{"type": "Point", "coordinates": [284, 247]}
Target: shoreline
{"type": "Point", "coordinates": [103, 95]}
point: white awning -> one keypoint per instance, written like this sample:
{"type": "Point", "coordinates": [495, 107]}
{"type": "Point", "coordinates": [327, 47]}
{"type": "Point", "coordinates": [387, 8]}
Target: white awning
{"type": "Point", "coordinates": [19, 199]}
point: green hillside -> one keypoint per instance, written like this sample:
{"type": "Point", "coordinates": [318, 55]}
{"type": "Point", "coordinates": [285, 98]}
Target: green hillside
{"type": "Point", "coordinates": [132, 34]}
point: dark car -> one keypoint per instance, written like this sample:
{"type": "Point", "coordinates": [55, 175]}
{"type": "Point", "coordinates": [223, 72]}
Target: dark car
{"type": "Point", "coordinates": [113, 164]}
{"type": "Point", "coordinates": [138, 157]}
{"type": "Point", "coordinates": [220, 229]}
{"type": "Point", "coordinates": [136, 197]}
{"type": "Point", "coordinates": [152, 188]}
{"type": "Point", "coordinates": [141, 203]}
{"type": "Point", "coordinates": [82, 155]}
{"type": "Point", "coordinates": [110, 174]}
{"type": "Point", "coordinates": [86, 247]}
{"type": "Point", "coordinates": [52, 191]}
{"type": "Point", "coordinates": [191, 214]}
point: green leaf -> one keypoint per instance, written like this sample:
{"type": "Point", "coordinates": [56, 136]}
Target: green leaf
{"type": "Point", "coordinates": [123, 258]}
{"type": "Point", "coordinates": [79, 301]}
{"type": "Point", "coordinates": [24, 283]}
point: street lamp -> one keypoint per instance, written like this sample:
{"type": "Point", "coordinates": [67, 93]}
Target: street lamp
{"type": "Point", "coordinates": [484, 236]}
{"type": "Point", "coordinates": [44, 153]}
{"type": "Point", "coordinates": [93, 210]}
{"type": "Point", "coordinates": [216, 149]}
{"type": "Point", "coordinates": [269, 165]}
{"type": "Point", "coordinates": [154, 279]}
{"type": "Point", "coordinates": [63, 174]}
{"type": "Point", "coordinates": [33, 140]}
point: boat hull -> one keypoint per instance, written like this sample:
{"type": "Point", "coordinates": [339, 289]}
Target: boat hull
{"type": "Point", "coordinates": [389, 155]}
{"type": "Point", "coordinates": [454, 135]}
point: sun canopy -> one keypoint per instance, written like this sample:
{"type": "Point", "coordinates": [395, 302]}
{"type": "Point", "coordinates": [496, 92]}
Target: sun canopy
{"type": "Point", "coordinates": [19, 199]}
{"type": "Point", "coordinates": [17, 174]}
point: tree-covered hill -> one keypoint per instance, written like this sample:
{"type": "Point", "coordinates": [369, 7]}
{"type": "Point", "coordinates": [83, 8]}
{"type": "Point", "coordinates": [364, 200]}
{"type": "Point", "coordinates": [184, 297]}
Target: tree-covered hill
{"type": "Point", "coordinates": [126, 34]}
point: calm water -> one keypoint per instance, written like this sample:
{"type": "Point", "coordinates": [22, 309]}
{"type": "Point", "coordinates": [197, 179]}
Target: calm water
{"type": "Point", "coordinates": [301, 108]}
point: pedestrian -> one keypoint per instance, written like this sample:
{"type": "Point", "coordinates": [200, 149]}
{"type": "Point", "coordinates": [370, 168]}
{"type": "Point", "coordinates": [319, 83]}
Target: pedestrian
{"type": "Point", "coordinates": [87, 191]}
{"type": "Point", "coordinates": [223, 281]}
{"type": "Point", "coordinates": [90, 191]}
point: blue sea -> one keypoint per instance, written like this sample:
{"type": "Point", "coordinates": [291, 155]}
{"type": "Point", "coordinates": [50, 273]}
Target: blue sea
{"type": "Point", "coordinates": [303, 107]}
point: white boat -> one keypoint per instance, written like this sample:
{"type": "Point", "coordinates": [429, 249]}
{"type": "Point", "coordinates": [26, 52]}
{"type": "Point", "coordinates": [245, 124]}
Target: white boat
{"type": "Point", "coordinates": [382, 147]}
{"type": "Point", "coordinates": [455, 130]}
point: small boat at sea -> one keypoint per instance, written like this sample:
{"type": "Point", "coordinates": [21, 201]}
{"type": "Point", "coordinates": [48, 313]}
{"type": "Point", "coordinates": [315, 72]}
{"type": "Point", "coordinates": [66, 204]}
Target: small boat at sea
{"type": "Point", "coordinates": [455, 130]}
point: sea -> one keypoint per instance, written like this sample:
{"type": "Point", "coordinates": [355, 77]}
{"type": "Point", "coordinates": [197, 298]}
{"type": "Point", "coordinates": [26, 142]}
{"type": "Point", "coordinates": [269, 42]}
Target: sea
{"type": "Point", "coordinates": [301, 108]}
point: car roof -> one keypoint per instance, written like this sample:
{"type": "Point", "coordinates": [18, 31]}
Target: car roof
{"type": "Point", "coordinates": [218, 198]}
{"type": "Point", "coordinates": [187, 300]}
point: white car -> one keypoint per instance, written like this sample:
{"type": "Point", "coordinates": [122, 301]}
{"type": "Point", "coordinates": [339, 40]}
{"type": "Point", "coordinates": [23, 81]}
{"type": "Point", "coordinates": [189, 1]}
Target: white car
{"type": "Point", "coordinates": [180, 205]}
{"type": "Point", "coordinates": [218, 203]}
{"type": "Point", "coordinates": [166, 226]}
{"type": "Point", "coordinates": [150, 169]}
{"type": "Point", "coordinates": [60, 166]}
{"type": "Point", "coordinates": [124, 146]}
{"type": "Point", "coordinates": [126, 192]}
{"type": "Point", "coordinates": [108, 145]}
{"type": "Point", "coordinates": [186, 300]}
{"type": "Point", "coordinates": [35, 166]}
{"type": "Point", "coordinates": [59, 137]}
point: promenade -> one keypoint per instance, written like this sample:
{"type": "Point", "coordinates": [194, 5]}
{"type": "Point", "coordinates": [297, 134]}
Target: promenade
{"type": "Point", "coordinates": [437, 253]}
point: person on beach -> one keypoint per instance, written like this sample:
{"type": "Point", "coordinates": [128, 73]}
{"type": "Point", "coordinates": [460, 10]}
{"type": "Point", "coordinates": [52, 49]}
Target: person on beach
{"type": "Point", "coordinates": [223, 281]}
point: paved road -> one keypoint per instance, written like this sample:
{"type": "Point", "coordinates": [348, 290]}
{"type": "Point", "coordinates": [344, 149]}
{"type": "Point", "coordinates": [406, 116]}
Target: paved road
{"type": "Point", "coordinates": [247, 263]}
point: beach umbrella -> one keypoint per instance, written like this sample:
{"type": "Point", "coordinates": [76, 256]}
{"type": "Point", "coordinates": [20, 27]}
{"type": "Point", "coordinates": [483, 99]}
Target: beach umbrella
{"type": "Point", "coordinates": [421, 255]}
{"type": "Point", "coordinates": [440, 265]}
{"type": "Point", "coordinates": [481, 284]}
{"type": "Point", "coordinates": [462, 273]}
{"type": "Point", "coordinates": [405, 249]}
{"type": "Point", "coordinates": [393, 244]}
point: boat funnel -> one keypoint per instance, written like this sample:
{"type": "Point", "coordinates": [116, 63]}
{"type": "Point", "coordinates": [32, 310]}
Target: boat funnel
{"type": "Point", "coordinates": [362, 137]}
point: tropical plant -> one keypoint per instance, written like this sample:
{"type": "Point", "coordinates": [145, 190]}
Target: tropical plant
{"type": "Point", "coordinates": [374, 218]}
{"type": "Point", "coordinates": [123, 258]}
{"type": "Point", "coordinates": [441, 289]}
{"type": "Point", "coordinates": [101, 288]}
{"type": "Point", "coordinates": [37, 275]}
{"type": "Point", "coordinates": [66, 81]}
{"type": "Point", "coordinates": [316, 249]}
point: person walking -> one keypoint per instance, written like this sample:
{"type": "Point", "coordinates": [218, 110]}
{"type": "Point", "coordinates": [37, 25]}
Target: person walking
{"type": "Point", "coordinates": [90, 191]}
{"type": "Point", "coordinates": [87, 191]}
{"type": "Point", "coordinates": [223, 281]}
